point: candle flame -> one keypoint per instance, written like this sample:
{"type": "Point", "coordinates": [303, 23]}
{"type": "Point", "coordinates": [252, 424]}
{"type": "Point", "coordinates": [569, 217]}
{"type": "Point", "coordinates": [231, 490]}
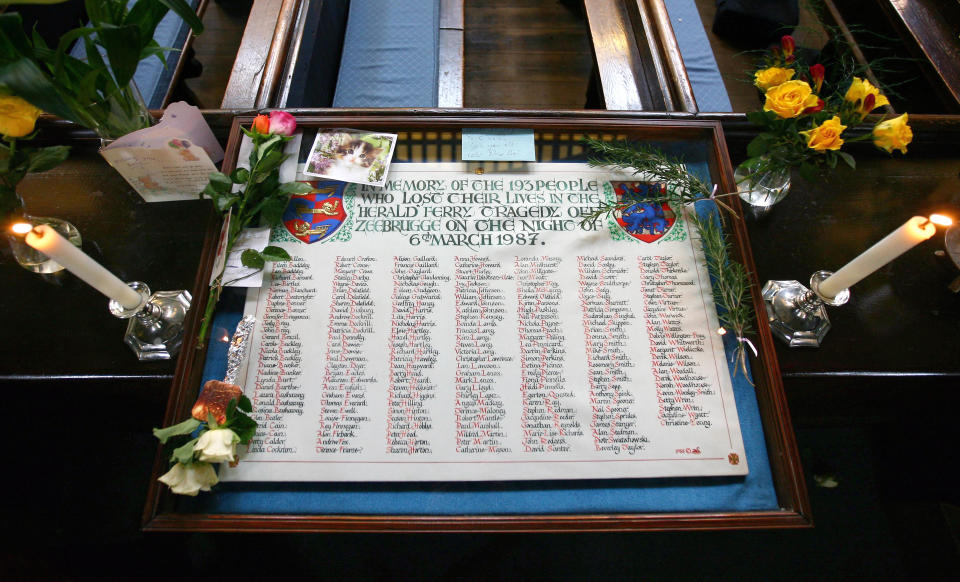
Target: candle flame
{"type": "Point", "coordinates": [722, 331]}
{"type": "Point", "coordinates": [941, 220]}
{"type": "Point", "coordinates": [21, 227]}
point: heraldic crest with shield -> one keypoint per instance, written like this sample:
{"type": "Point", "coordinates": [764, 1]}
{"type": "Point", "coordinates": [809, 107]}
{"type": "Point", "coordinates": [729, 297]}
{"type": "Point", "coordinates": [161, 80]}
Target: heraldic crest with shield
{"type": "Point", "coordinates": [643, 217]}
{"type": "Point", "coordinates": [316, 215]}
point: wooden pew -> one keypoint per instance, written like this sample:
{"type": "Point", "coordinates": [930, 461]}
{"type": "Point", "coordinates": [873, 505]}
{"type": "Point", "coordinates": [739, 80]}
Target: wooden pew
{"type": "Point", "coordinates": [270, 51]}
{"type": "Point", "coordinates": [637, 56]}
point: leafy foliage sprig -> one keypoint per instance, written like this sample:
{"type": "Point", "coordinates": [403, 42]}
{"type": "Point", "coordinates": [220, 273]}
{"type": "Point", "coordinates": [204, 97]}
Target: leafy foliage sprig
{"type": "Point", "coordinates": [253, 194]}
{"type": "Point", "coordinates": [731, 281]}
{"type": "Point", "coordinates": [683, 187]}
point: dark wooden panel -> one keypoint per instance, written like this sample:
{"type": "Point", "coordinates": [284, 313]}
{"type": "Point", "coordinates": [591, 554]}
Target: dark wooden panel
{"type": "Point", "coordinates": [63, 328]}
{"type": "Point", "coordinates": [541, 46]}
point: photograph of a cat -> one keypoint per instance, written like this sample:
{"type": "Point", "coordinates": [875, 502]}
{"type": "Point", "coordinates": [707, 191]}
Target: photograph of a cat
{"type": "Point", "coordinates": [351, 156]}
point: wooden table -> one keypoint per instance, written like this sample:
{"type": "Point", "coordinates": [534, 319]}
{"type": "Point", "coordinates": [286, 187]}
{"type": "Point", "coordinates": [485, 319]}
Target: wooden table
{"type": "Point", "coordinates": [64, 358]}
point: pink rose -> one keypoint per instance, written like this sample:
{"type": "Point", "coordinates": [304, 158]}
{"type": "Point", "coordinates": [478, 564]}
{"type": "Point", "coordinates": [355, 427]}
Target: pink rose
{"type": "Point", "coordinates": [282, 123]}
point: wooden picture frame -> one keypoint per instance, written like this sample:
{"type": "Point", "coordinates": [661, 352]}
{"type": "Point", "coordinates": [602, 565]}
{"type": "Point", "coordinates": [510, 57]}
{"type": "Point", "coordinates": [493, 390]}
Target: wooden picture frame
{"type": "Point", "coordinates": [162, 514]}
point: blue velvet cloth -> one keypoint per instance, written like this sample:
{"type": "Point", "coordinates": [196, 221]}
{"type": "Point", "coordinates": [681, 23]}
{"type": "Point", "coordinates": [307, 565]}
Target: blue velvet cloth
{"type": "Point", "coordinates": [153, 78]}
{"type": "Point", "coordinates": [390, 56]}
{"type": "Point", "coordinates": [697, 55]}
{"type": "Point", "coordinates": [752, 492]}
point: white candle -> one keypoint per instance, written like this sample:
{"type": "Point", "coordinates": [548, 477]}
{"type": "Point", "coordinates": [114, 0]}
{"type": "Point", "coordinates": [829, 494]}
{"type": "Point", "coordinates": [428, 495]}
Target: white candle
{"type": "Point", "coordinates": [49, 242]}
{"type": "Point", "coordinates": [911, 233]}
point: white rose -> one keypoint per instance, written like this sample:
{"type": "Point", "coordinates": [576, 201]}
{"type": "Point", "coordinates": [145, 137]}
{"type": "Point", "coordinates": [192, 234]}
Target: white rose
{"type": "Point", "coordinates": [190, 479]}
{"type": "Point", "coordinates": [217, 445]}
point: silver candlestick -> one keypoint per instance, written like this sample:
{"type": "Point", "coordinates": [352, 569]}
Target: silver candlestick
{"type": "Point", "coordinates": [155, 330]}
{"type": "Point", "coordinates": [798, 314]}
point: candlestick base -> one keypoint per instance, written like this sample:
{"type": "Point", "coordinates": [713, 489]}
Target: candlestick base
{"type": "Point", "coordinates": [819, 277]}
{"type": "Point", "coordinates": [155, 330]}
{"type": "Point", "coordinates": [797, 315]}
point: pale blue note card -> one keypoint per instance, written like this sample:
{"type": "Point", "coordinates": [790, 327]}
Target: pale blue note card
{"type": "Point", "coordinates": [498, 144]}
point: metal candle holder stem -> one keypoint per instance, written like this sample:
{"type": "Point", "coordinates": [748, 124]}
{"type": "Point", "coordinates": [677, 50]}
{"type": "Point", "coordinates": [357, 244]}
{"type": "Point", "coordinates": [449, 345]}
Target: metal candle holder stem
{"type": "Point", "coordinates": [155, 330]}
{"type": "Point", "coordinates": [798, 314]}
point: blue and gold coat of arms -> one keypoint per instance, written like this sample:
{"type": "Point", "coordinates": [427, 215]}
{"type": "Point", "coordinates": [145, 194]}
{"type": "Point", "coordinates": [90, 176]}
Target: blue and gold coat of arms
{"type": "Point", "coordinates": [643, 219]}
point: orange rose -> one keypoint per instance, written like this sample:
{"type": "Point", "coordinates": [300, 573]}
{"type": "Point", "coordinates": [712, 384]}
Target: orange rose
{"type": "Point", "coordinates": [825, 136]}
{"type": "Point", "coordinates": [790, 99]}
{"type": "Point", "coordinates": [261, 124]}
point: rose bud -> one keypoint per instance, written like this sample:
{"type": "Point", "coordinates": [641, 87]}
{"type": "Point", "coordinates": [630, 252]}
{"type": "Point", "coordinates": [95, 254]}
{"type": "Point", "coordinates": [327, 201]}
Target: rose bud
{"type": "Point", "coordinates": [261, 124]}
{"type": "Point", "coordinates": [282, 123]}
{"type": "Point", "coordinates": [817, 72]}
{"type": "Point", "coordinates": [788, 45]}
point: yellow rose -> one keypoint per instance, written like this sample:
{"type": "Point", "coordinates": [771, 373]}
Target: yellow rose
{"type": "Point", "coordinates": [893, 134]}
{"type": "Point", "coordinates": [17, 117]}
{"type": "Point", "coordinates": [790, 99]}
{"type": "Point", "coordinates": [859, 92]}
{"type": "Point", "coordinates": [825, 136]}
{"type": "Point", "coordinates": [772, 77]}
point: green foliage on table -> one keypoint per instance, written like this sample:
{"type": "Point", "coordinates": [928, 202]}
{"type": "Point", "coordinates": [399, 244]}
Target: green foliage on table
{"type": "Point", "coordinates": [15, 163]}
{"type": "Point", "coordinates": [95, 91]}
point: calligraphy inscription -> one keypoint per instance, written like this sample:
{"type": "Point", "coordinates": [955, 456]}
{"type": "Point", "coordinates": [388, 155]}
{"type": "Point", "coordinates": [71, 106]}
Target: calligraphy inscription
{"type": "Point", "coordinates": [473, 329]}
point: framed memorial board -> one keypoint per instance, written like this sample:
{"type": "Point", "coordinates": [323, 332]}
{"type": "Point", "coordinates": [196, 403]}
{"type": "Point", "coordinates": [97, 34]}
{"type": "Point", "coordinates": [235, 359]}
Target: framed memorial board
{"type": "Point", "coordinates": [459, 349]}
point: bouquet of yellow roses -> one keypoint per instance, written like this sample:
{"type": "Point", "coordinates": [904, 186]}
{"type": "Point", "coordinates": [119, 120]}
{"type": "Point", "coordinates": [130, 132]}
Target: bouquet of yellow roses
{"type": "Point", "coordinates": [804, 116]}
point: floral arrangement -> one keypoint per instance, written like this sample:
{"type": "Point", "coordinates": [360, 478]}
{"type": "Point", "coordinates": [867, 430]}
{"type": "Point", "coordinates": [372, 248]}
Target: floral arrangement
{"type": "Point", "coordinates": [217, 424]}
{"type": "Point", "coordinates": [95, 92]}
{"type": "Point", "coordinates": [804, 115]}
{"type": "Point", "coordinates": [248, 194]}
{"type": "Point", "coordinates": [17, 121]}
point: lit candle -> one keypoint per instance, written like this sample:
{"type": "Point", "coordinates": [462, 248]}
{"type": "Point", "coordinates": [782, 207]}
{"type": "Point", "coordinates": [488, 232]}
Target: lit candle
{"type": "Point", "coordinates": [911, 233]}
{"type": "Point", "coordinates": [49, 242]}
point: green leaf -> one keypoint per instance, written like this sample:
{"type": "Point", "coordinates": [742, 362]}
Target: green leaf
{"type": "Point", "coordinates": [295, 188]}
{"type": "Point", "coordinates": [13, 42]}
{"type": "Point", "coordinates": [758, 146]}
{"type": "Point", "coordinates": [272, 253]}
{"type": "Point", "coordinates": [185, 427]}
{"type": "Point", "coordinates": [221, 182]}
{"type": "Point", "coordinates": [253, 259]}
{"type": "Point", "coordinates": [47, 158]}
{"type": "Point", "coordinates": [184, 453]}
{"type": "Point", "coordinates": [244, 403]}
{"type": "Point", "coordinates": [123, 45]}
{"type": "Point", "coordinates": [240, 175]}
{"type": "Point", "coordinates": [268, 164]}
{"type": "Point", "coordinates": [25, 79]}
{"type": "Point", "coordinates": [225, 202]}
{"type": "Point", "coordinates": [231, 409]}
{"type": "Point", "coordinates": [146, 16]}
{"type": "Point", "coordinates": [848, 159]}
{"type": "Point", "coordinates": [808, 171]}
{"type": "Point", "coordinates": [244, 426]}
{"type": "Point", "coordinates": [272, 211]}
{"type": "Point", "coordinates": [758, 118]}
{"type": "Point", "coordinates": [184, 11]}
{"type": "Point", "coordinates": [267, 146]}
